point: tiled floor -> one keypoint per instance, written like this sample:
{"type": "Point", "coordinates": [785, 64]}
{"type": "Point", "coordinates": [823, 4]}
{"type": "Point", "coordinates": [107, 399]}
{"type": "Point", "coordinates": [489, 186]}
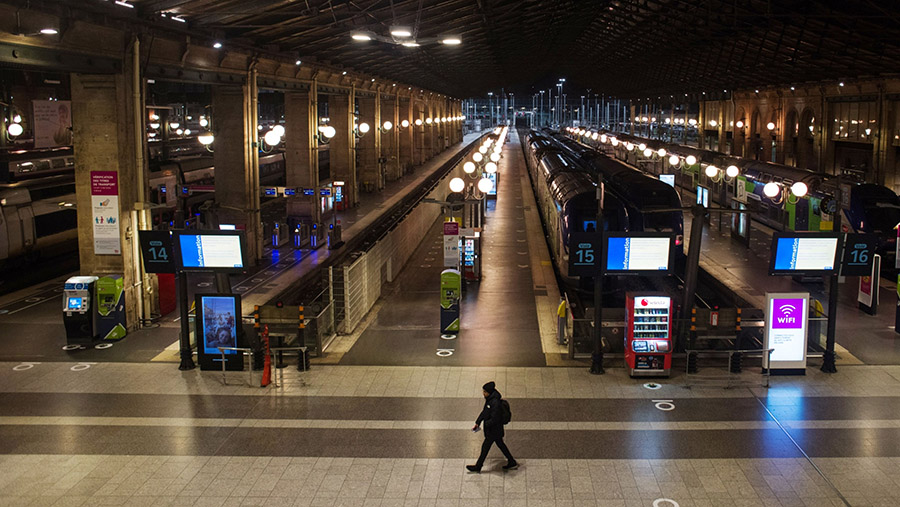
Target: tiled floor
{"type": "Point", "coordinates": [197, 442]}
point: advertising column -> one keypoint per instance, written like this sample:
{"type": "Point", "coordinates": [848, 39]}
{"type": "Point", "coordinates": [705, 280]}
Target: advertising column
{"type": "Point", "coordinates": [786, 328]}
{"type": "Point", "coordinates": [105, 212]}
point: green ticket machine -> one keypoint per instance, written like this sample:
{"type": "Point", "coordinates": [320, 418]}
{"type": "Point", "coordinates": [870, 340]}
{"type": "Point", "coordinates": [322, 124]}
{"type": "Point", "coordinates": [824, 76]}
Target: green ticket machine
{"type": "Point", "coordinates": [451, 288]}
{"type": "Point", "coordinates": [110, 304]}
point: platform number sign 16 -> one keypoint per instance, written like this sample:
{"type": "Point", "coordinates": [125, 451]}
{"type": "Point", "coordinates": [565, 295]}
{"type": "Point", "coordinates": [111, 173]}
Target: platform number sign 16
{"type": "Point", "coordinates": [859, 252]}
{"type": "Point", "coordinates": [584, 254]}
{"type": "Point", "coordinates": [156, 249]}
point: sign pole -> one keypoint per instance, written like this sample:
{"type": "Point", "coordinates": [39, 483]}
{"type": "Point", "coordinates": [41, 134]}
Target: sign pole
{"type": "Point", "coordinates": [597, 355]}
{"type": "Point", "coordinates": [693, 266]}
{"type": "Point", "coordinates": [828, 358]}
{"type": "Point", "coordinates": [187, 357]}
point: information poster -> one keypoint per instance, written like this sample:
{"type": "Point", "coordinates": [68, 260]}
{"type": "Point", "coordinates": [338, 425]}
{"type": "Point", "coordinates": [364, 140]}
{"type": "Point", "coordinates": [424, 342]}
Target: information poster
{"type": "Point", "coordinates": [451, 244]}
{"type": "Point", "coordinates": [52, 123]}
{"type": "Point", "coordinates": [786, 328]}
{"type": "Point", "coordinates": [105, 212]}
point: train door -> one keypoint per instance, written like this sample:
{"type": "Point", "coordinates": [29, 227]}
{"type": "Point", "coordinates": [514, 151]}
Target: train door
{"type": "Point", "coordinates": [26, 218]}
{"type": "Point", "coordinates": [4, 238]}
{"type": "Point", "coordinates": [15, 244]}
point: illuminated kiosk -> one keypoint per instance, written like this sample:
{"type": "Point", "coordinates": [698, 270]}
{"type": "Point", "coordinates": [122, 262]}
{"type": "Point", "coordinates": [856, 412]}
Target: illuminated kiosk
{"type": "Point", "coordinates": [787, 314]}
{"type": "Point", "coordinates": [648, 316]}
{"type": "Point", "coordinates": [218, 317]}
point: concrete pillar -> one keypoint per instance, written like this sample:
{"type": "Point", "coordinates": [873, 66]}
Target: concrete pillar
{"type": "Point", "coordinates": [343, 145]}
{"type": "Point", "coordinates": [428, 150]}
{"type": "Point", "coordinates": [370, 176]}
{"type": "Point", "coordinates": [301, 152]}
{"type": "Point", "coordinates": [419, 132]}
{"type": "Point", "coordinates": [237, 186]}
{"type": "Point", "coordinates": [406, 137]}
{"type": "Point", "coordinates": [390, 139]}
{"type": "Point", "coordinates": [103, 136]}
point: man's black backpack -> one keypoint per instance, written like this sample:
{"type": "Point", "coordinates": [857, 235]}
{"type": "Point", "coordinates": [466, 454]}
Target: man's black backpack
{"type": "Point", "coordinates": [507, 413]}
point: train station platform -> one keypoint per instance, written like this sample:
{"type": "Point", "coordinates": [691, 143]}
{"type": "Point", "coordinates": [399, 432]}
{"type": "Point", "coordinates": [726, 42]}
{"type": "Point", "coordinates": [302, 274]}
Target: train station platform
{"type": "Point", "coordinates": [507, 318]}
{"type": "Point", "coordinates": [31, 319]}
{"type": "Point", "coordinates": [860, 337]}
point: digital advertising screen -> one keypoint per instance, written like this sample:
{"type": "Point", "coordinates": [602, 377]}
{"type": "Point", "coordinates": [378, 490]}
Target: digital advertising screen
{"type": "Point", "coordinates": [218, 323]}
{"type": "Point", "coordinates": [645, 253]}
{"type": "Point", "coordinates": [798, 253]}
{"type": "Point", "coordinates": [668, 179]}
{"type": "Point", "coordinates": [211, 250]}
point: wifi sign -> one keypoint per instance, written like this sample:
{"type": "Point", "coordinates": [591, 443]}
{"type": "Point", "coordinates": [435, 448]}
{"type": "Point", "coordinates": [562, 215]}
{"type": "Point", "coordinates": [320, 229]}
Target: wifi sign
{"type": "Point", "coordinates": [787, 314]}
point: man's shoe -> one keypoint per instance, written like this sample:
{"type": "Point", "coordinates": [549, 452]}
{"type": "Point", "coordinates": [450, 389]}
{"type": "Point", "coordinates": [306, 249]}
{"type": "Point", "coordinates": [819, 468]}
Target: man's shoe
{"type": "Point", "coordinates": [473, 469]}
{"type": "Point", "coordinates": [511, 466]}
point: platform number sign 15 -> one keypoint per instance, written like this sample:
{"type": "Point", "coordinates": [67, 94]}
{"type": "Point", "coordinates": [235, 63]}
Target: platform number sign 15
{"type": "Point", "coordinates": [859, 252]}
{"type": "Point", "coordinates": [156, 250]}
{"type": "Point", "coordinates": [584, 254]}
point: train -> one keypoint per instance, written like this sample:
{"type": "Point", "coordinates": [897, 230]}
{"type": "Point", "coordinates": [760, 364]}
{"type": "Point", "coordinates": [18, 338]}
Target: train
{"type": "Point", "coordinates": [564, 181]}
{"type": "Point", "coordinates": [865, 207]}
{"type": "Point", "coordinates": [38, 204]}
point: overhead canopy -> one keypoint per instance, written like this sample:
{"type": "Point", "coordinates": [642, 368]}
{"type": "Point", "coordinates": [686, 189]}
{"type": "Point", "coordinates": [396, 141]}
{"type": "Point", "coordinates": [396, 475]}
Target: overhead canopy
{"type": "Point", "coordinates": [627, 48]}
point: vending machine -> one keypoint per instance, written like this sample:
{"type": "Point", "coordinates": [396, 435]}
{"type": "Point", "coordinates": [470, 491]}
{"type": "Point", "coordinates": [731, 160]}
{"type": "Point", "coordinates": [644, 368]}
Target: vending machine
{"type": "Point", "coordinates": [648, 334]}
{"type": "Point", "coordinates": [470, 252]}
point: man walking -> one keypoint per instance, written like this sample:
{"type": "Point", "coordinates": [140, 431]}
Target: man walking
{"type": "Point", "coordinates": [492, 416]}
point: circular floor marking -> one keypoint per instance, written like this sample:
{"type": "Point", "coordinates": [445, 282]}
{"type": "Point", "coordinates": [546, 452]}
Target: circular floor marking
{"type": "Point", "coordinates": [665, 502]}
{"type": "Point", "coordinates": [71, 347]}
{"type": "Point", "coordinates": [101, 346]}
{"type": "Point", "coordinates": [256, 280]}
{"type": "Point", "coordinates": [429, 258]}
{"type": "Point", "coordinates": [652, 385]}
{"type": "Point", "coordinates": [445, 352]}
{"type": "Point", "coordinates": [23, 366]}
{"type": "Point", "coordinates": [448, 337]}
{"type": "Point", "coordinates": [426, 265]}
{"type": "Point", "coordinates": [81, 366]}
{"type": "Point", "coordinates": [204, 284]}
{"type": "Point", "coordinates": [32, 300]}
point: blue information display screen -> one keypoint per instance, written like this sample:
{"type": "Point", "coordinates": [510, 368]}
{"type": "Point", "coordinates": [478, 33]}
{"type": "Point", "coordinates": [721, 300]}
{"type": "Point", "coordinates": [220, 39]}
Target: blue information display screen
{"type": "Point", "coordinates": [210, 251]}
{"type": "Point", "coordinates": [74, 304]}
{"type": "Point", "coordinates": [804, 254]}
{"type": "Point", "coordinates": [638, 253]}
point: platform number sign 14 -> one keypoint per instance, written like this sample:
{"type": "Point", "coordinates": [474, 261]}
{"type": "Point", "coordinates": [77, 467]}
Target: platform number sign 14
{"type": "Point", "coordinates": [156, 250]}
{"type": "Point", "coordinates": [584, 254]}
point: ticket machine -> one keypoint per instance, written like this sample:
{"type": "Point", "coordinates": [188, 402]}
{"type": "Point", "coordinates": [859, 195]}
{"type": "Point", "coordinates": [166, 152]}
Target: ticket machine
{"type": "Point", "coordinates": [648, 334]}
{"type": "Point", "coordinates": [79, 310]}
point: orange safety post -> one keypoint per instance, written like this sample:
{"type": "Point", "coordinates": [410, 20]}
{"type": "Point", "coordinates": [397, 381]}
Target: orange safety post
{"type": "Point", "coordinates": [267, 365]}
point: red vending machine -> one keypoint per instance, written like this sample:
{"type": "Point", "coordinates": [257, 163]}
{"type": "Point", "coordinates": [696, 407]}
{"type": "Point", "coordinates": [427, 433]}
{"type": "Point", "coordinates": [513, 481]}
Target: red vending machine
{"type": "Point", "coordinates": [648, 334]}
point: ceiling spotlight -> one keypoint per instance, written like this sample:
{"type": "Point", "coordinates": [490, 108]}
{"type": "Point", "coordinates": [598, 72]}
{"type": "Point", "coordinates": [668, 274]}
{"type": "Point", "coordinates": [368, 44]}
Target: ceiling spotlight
{"type": "Point", "coordinates": [217, 45]}
{"type": "Point", "coordinates": [451, 40]}
{"type": "Point", "coordinates": [298, 62]}
{"type": "Point", "coordinates": [411, 44]}
{"type": "Point", "coordinates": [49, 31]}
{"type": "Point", "coordinates": [361, 36]}
{"type": "Point", "coordinates": [401, 31]}
{"type": "Point", "coordinates": [123, 3]}
{"type": "Point", "coordinates": [344, 73]}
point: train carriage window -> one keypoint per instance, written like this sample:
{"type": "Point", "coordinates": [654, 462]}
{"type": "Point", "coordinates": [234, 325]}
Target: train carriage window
{"type": "Point", "coordinates": [58, 163]}
{"type": "Point", "coordinates": [43, 165]}
{"type": "Point", "coordinates": [53, 223]}
{"type": "Point", "coordinates": [38, 194]}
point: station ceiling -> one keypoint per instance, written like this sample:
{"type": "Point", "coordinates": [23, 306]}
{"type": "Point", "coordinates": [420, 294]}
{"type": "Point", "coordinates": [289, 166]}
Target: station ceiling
{"type": "Point", "coordinates": [625, 48]}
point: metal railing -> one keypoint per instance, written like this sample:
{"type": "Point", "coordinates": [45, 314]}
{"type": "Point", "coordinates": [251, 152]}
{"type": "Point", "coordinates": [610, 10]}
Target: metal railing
{"type": "Point", "coordinates": [245, 352]}
{"type": "Point", "coordinates": [731, 375]}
